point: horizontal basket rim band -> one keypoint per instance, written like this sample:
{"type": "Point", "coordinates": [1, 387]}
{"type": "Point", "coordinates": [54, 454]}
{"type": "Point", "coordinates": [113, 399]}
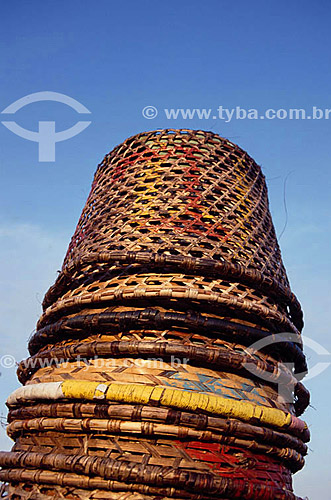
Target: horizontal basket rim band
{"type": "Point", "coordinates": [222, 269]}
{"type": "Point", "coordinates": [158, 319]}
{"type": "Point", "coordinates": [156, 475]}
{"type": "Point", "coordinates": [218, 357]}
{"type": "Point", "coordinates": [287, 455]}
{"type": "Point", "coordinates": [87, 483]}
{"type": "Point", "coordinates": [142, 394]}
{"type": "Point", "coordinates": [147, 413]}
{"type": "Point", "coordinates": [148, 292]}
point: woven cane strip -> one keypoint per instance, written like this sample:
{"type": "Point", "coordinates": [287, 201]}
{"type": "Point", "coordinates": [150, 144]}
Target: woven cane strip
{"type": "Point", "coordinates": [92, 266]}
{"type": "Point", "coordinates": [43, 485]}
{"type": "Point", "coordinates": [195, 456]}
{"type": "Point", "coordinates": [108, 468]}
{"type": "Point", "coordinates": [121, 320]}
{"type": "Point", "coordinates": [290, 457]}
{"type": "Point", "coordinates": [136, 413]}
{"type": "Point", "coordinates": [198, 298]}
{"type": "Point", "coordinates": [73, 484]}
{"type": "Point", "coordinates": [224, 210]}
{"type": "Point", "coordinates": [225, 355]}
{"type": "Point", "coordinates": [142, 277]}
{"type": "Point", "coordinates": [113, 490]}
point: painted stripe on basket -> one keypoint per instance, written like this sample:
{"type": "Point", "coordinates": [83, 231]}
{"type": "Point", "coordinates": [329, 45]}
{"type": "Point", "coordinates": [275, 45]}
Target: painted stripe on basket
{"type": "Point", "coordinates": [144, 394]}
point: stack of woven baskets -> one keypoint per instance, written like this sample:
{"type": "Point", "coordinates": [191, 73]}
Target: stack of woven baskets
{"type": "Point", "coordinates": [138, 384]}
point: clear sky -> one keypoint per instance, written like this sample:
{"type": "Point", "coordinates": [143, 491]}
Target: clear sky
{"type": "Point", "coordinates": [118, 57]}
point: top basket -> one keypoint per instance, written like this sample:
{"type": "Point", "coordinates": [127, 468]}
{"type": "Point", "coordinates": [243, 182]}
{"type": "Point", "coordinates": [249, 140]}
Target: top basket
{"type": "Point", "coordinates": [189, 198]}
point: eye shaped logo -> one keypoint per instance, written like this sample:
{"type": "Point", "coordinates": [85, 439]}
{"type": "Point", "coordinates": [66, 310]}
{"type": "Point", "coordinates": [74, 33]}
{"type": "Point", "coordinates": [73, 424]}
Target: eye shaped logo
{"type": "Point", "coordinates": [286, 388]}
{"type": "Point", "coordinates": [46, 135]}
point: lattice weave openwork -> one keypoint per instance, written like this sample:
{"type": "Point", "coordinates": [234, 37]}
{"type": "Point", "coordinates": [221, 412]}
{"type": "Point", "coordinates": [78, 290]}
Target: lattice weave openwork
{"type": "Point", "coordinates": [141, 381]}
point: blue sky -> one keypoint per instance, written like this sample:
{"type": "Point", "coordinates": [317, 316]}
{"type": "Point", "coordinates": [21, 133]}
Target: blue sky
{"type": "Point", "coordinates": [118, 57]}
